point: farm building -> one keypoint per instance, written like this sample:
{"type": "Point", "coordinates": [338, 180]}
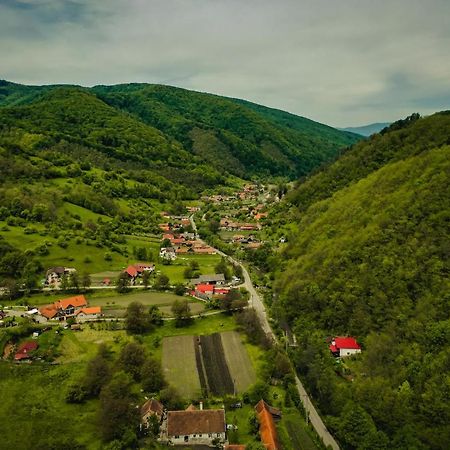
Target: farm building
{"type": "Point", "coordinates": [151, 407]}
{"type": "Point", "coordinates": [344, 346]}
{"type": "Point", "coordinates": [217, 278]}
{"type": "Point", "coordinates": [267, 429]}
{"type": "Point", "coordinates": [24, 350]}
{"type": "Point", "coordinates": [196, 427]}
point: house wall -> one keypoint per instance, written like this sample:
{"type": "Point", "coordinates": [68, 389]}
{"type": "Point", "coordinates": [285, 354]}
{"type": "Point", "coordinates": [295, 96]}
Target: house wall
{"type": "Point", "coordinates": [348, 351]}
{"type": "Point", "coordinates": [82, 317]}
{"type": "Point", "coordinates": [196, 439]}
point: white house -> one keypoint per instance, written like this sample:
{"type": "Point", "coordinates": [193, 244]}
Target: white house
{"type": "Point", "coordinates": [196, 427]}
{"type": "Point", "coordinates": [88, 313]}
{"type": "Point", "coordinates": [344, 346]}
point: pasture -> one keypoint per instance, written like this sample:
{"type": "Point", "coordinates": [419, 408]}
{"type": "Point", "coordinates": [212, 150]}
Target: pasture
{"type": "Point", "coordinates": [179, 365]}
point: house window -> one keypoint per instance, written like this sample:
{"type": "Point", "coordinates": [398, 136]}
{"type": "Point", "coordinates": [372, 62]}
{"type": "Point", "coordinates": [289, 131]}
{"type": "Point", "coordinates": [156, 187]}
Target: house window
{"type": "Point", "coordinates": [186, 438]}
{"type": "Point", "coordinates": [209, 435]}
{"type": "Point", "coordinates": [195, 435]}
{"type": "Point", "coordinates": [199, 435]}
{"type": "Point", "coordinates": [177, 436]}
{"type": "Point", "coordinates": [218, 434]}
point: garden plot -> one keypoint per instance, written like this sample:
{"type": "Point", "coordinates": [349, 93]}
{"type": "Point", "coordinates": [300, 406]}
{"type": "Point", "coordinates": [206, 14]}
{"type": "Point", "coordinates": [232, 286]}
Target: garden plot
{"type": "Point", "coordinates": [219, 379]}
{"type": "Point", "coordinates": [215, 363]}
{"type": "Point", "coordinates": [179, 365]}
{"type": "Point", "coordinates": [238, 361]}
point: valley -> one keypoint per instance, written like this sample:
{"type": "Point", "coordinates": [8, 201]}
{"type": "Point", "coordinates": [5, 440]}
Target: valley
{"type": "Point", "coordinates": [207, 252]}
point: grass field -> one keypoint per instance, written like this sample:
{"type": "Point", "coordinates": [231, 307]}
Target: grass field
{"type": "Point", "coordinates": [239, 364]}
{"type": "Point", "coordinates": [33, 404]}
{"type": "Point", "coordinates": [179, 365]}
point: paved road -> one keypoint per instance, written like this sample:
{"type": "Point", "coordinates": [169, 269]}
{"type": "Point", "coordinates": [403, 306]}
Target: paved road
{"type": "Point", "coordinates": [257, 304]}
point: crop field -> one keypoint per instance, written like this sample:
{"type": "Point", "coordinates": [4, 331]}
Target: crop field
{"type": "Point", "coordinates": [218, 363]}
{"type": "Point", "coordinates": [179, 365]}
{"type": "Point", "coordinates": [239, 364]}
{"type": "Point", "coordinates": [219, 379]}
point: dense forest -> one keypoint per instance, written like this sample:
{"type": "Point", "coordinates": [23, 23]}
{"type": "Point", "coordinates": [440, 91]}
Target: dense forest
{"type": "Point", "coordinates": [368, 256]}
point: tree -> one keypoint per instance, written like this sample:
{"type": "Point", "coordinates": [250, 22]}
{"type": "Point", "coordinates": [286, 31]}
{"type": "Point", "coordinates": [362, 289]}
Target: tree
{"type": "Point", "coordinates": [146, 278]}
{"type": "Point", "coordinates": [162, 282]}
{"type": "Point", "coordinates": [155, 315]}
{"type": "Point", "coordinates": [181, 311]}
{"type": "Point", "coordinates": [123, 283]}
{"type": "Point", "coordinates": [98, 373]}
{"type": "Point", "coordinates": [171, 399]}
{"type": "Point", "coordinates": [136, 319]}
{"type": "Point", "coordinates": [180, 289]}
{"type": "Point", "coordinates": [118, 417]}
{"type": "Point", "coordinates": [86, 280]}
{"type": "Point", "coordinates": [131, 359]}
{"type": "Point", "coordinates": [74, 281]}
{"type": "Point", "coordinates": [152, 376]}
{"type": "Point", "coordinates": [222, 267]}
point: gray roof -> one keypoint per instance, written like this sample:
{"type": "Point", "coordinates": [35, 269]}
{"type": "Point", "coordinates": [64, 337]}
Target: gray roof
{"type": "Point", "coordinates": [214, 278]}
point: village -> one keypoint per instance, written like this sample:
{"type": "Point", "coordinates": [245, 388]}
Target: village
{"type": "Point", "coordinates": [208, 366]}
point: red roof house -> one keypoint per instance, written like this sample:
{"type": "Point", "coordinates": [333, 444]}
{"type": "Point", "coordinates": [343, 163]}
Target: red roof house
{"type": "Point", "coordinates": [267, 428]}
{"type": "Point", "coordinates": [344, 346]}
{"type": "Point", "coordinates": [24, 350]}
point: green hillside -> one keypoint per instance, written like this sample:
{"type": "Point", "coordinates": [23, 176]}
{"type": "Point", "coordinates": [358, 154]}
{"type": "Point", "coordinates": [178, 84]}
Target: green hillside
{"type": "Point", "coordinates": [85, 168]}
{"type": "Point", "coordinates": [369, 257]}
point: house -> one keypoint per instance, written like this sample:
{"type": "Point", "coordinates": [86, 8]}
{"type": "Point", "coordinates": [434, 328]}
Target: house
{"type": "Point", "coordinates": [204, 291]}
{"type": "Point", "coordinates": [151, 407]}
{"type": "Point", "coordinates": [344, 346]}
{"type": "Point", "coordinates": [196, 427]}
{"type": "Point", "coordinates": [168, 253]}
{"type": "Point", "coordinates": [136, 270]}
{"type": "Point", "coordinates": [89, 313]}
{"type": "Point", "coordinates": [54, 274]}
{"type": "Point", "coordinates": [24, 350]}
{"type": "Point", "coordinates": [62, 309]}
{"type": "Point", "coordinates": [218, 278]}
{"type": "Point", "coordinates": [267, 428]}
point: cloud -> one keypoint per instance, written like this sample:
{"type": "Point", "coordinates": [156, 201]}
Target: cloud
{"type": "Point", "coordinates": [344, 63]}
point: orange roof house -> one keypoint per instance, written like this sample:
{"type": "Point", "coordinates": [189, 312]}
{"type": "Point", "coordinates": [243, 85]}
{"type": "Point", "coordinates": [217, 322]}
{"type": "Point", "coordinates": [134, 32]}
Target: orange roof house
{"type": "Point", "coordinates": [267, 429]}
{"type": "Point", "coordinates": [76, 302]}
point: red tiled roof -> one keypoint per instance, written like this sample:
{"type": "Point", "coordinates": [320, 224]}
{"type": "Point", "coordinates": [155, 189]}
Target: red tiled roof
{"type": "Point", "coordinates": [132, 271]}
{"type": "Point", "coordinates": [48, 311]}
{"type": "Point", "coordinates": [195, 422]}
{"type": "Point", "coordinates": [267, 428]}
{"type": "Point", "coordinates": [346, 342]}
{"type": "Point", "coordinates": [24, 350]}
{"type": "Point", "coordinates": [90, 310]}
{"type": "Point", "coordinates": [76, 301]}
{"type": "Point", "coordinates": [152, 406]}
{"type": "Point", "coordinates": [203, 288]}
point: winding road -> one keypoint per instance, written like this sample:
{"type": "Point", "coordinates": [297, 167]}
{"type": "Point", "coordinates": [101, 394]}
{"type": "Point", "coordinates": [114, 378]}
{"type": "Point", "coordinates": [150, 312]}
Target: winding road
{"type": "Point", "coordinates": [257, 304]}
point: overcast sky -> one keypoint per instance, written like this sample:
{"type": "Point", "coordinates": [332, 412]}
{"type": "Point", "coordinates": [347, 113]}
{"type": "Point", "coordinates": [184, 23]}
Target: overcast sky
{"type": "Point", "coordinates": [341, 62]}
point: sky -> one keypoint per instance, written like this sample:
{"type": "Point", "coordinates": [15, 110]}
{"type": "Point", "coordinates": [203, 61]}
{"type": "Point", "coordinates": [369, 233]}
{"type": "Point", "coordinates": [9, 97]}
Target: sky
{"type": "Point", "coordinates": [340, 62]}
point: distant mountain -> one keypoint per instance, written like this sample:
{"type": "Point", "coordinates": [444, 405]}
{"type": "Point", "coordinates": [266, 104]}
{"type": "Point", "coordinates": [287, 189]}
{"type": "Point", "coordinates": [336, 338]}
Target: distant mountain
{"type": "Point", "coordinates": [366, 130]}
{"type": "Point", "coordinates": [175, 128]}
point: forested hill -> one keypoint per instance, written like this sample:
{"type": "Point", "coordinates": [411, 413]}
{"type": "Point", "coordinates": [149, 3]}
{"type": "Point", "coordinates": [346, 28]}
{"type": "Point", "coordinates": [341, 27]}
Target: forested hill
{"type": "Point", "coordinates": [172, 130]}
{"type": "Point", "coordinates": [368, 256]}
